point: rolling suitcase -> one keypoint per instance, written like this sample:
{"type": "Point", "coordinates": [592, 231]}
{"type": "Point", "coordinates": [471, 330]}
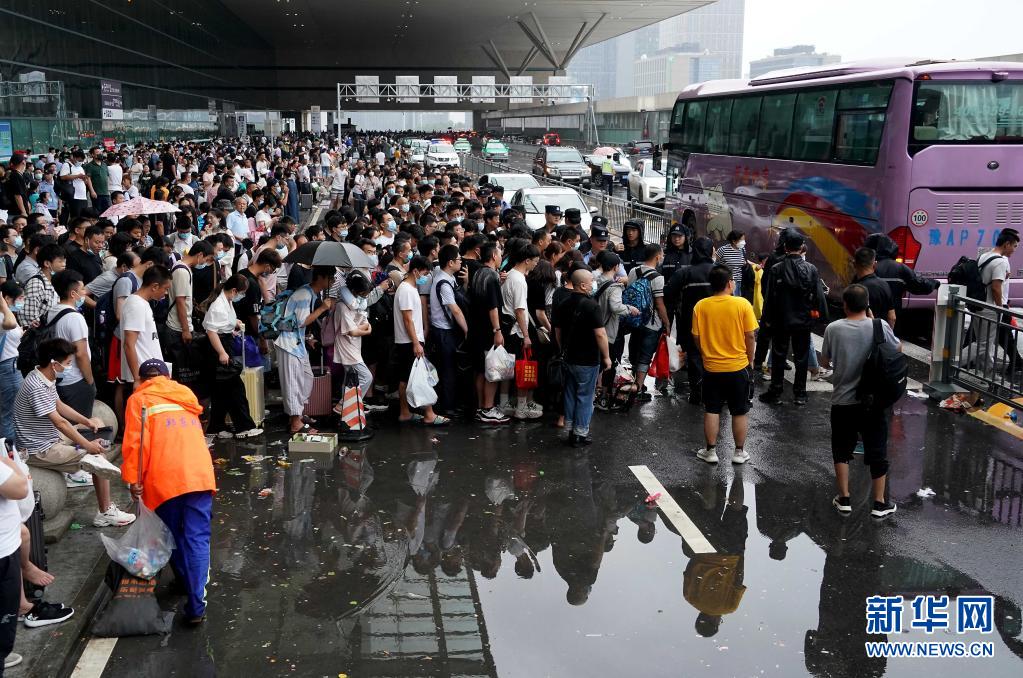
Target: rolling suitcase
{"type": "Point", "coordinates": [37, 553]}
{"type": "Point", "coordinates": [319, 404]}
{"type": "Point", "coordinates": [305, 201]}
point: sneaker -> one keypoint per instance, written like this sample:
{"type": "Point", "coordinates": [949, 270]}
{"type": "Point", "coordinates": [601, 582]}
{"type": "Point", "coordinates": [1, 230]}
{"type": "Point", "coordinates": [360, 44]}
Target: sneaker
{"type": "Point", "coordinates": [225, 434]}
{"type": "Point", "coordinates": [823, 375]}
{"type": "Point", "coordinates": [535, 410]}
{"type": "Point", "coordinates": [740, 457]}
{"type": "Point", "coordinates": [251, 433]}
{"type": "Point", "coordinates": [578, 441]}
{"type": "Point", "coordinates": [709, 456]}
{"type": "Point", "coordinates": [508, 408]}
{"type": "Point", "coordinates": [113, 517]}
{"type": "Point", "coordinates": [843, 504]}
{"type": "Point", "coordinates": [375, 407]}
{"type": "Point", "coordinates": [800, 400]}
{"type": "Point", "coordinates": [493, 416]}
{"type": "Point", "coordinates": [12, 659]}
{"type": "Point", "coordinates": [770, 397]}
{"type": "Point", "coordinates": [882, 509]}
{"type": "Point", "coordinates": [44, 614]}
{"type": "Point", "coordinates": [94, 463]}
{"type": "Point", "coordinates": [78, 479]}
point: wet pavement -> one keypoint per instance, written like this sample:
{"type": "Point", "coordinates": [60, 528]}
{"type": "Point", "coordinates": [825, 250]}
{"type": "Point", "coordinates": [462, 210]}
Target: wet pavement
{"type": "Point", "coordinates": [500, 552]}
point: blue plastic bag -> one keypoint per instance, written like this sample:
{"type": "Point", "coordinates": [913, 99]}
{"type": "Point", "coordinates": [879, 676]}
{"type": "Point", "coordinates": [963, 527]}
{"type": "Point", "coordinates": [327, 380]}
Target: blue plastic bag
{"type": "Point", "coordinates": [252, 357]}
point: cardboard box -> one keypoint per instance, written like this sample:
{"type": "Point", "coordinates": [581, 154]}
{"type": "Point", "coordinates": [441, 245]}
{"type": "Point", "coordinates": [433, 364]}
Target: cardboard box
{"type": "Point", "coordinates": [316, 443]}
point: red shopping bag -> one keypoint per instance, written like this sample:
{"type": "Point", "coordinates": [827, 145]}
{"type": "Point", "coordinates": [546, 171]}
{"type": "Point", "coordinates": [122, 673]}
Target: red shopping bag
{"type": "Point", "coordinates": [659, 365]}
{"type": "Point", "coordinates": [526, 371]}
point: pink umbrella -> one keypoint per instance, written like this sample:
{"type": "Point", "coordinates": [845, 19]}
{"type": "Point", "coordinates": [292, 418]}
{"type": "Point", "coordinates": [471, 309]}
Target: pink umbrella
{"type": "Point", "coordinates": [604, 151]}
{"type": "Point", "coordinates": [139, 206]}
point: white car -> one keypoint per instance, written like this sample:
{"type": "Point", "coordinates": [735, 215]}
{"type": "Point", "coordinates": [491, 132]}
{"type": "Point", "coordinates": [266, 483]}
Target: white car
{"type": "Point", "coordinates": [441, 155]}
{"type": "Point", "coordinates": [646, 184]}
{"type": "Point", "coordinates": [510, 182]}
{"type": "Point", "coordinates": [535, 200]}
{"type": "Point", "coordinates": [417, 150]}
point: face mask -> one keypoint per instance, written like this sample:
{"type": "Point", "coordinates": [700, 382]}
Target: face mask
{"type": "Point", "coordinates": [458, 220]}
{"type": "Point", "coordinates": [405, 207]}
{"type": "Point", "coordinates": [183, 236]}
{"type": "Point", "coordinates": [221, 256]}
{"type": "Point", "coordinates": [344, 233]}
{"type": "Point", "coordinates": [390, 192]}
{"type": "Point", "coordinates": [391, 227]}
{"type": "Point", "coordinates": [58, 367]}
{"type": "Point", "coordinates": [79, 303]}
{"type": "Point", "coordinates": [422, 280]}
{"type": "Point", "coordinates": [742, 244]}
{"type": "Point", "coordinates": [282, 248]}
{"type": "Point", "coordinates": [38, 177]}
{"type": "Point", "coordinates": [18, 306]}
{"type": "Point", "coordinates": [199, 267]}
{"type": "Point", "coordinates": [408, 257]}
{"type": "Point", "coordinates": [374, 259]}
{"type": "Point", "coordinates": [18, 242]}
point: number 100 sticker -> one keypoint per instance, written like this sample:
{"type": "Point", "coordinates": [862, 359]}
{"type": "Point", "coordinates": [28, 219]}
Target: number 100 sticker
{"type": "Point", "coordinates": [918, 218]}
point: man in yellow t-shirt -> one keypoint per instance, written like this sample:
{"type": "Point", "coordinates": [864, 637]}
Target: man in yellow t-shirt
{"type": "Point", "coordinates": [723, 327]}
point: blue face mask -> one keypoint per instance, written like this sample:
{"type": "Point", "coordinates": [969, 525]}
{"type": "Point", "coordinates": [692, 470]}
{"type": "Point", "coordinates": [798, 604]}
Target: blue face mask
{"type": "Point", "coordinates": [391, 191]}
{"type": "Point", "coordinates": [458, 220]}
{"type": "Point", "coordinates": [392, 227]}
{"type": "Point", "coordinates": [422, 280]}
{"type": "Point", "coordinates": [344, 233]}
{"type": "Point", "coordinates": [79, 303]}
{"type": "Point", "coordinates": [183, 236]}
{"type": "Point", "coordinates": [408, 257]}
{"type": "Point", "coordinates": [405, 207]}
{"type": "Point", "coordinates": [18, 306]}
{"type": "Point", "coordinates": [199, 267]}
{"type": "Point", "coordinates": [18, 242]}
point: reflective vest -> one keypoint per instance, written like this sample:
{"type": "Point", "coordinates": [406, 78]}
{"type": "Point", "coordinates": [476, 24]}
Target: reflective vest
{"type": "Point", "coordinates": [607, 167]}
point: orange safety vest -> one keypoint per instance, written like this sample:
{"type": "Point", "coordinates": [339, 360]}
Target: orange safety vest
{"type": "Point", "coordinates": [175, 459]}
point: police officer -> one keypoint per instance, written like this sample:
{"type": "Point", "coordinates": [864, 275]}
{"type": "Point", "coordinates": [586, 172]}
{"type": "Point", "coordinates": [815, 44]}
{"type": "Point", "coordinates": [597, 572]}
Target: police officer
{"type": "Point", "coordinates": [573, 219]}
{"type": "Point", "coordinates": [552, 217]}
{"type": "Point", "coordinates": [598, 242]}
{"type": "Point", "coordinates": [686, 286]}
{"type": "Point", "coordinates": [677, 253]}
{"type": "Point", "coordinates": [497, 192]}
{"type": "Point", "coordinates": [795, 300]}
{"type": "Point", "coordinates": [632, 248]}
{"type": "Point", "coordinates": [607, 173]}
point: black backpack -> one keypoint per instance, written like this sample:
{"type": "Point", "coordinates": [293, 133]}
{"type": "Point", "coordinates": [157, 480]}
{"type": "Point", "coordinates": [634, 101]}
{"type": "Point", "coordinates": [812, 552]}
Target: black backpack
{"type": "Point", "coordinates": [885, 373]}
{"type": "Point", "coordinates": [28, 349]}
{"type": "Point", "coordinates": [967, 272]}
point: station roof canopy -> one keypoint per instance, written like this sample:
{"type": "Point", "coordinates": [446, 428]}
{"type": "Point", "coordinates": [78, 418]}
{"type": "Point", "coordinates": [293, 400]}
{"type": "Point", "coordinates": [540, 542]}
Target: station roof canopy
{"type": "Point", "coordinates": [424, 36]}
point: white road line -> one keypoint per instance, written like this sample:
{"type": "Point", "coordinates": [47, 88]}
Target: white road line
{"type": "Point", "coordinates": [672, 511]}
{"type": "Point", "coordinates": [94, 659]}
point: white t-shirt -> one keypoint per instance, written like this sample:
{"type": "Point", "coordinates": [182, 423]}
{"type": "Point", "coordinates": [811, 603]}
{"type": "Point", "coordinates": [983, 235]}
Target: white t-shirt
{"type": "Point", "coordinates": [181, 286]}
{"type": "Point", "coordinates": [71, 327]}
{"type": "Point", "coordinates": [66, 170]}
{"type": "Point", "coordinates": [183, 245]}
{"type": "Point", "coordinates": [220, 316]}
{"type": "Point", "coordinates": [137, 316]}
{"type": "Point", "coordinates": [114, 174]}
{"type": "Point", "coordinates": [324, 159]}
{"type": "Point", "coordinates": [338, 180]}
{"type": "Point", "coordinates": [999, 269]}
{"type": "Point", "coordinates": [10, 518]}
{"type": "Point", "coordinates": [513, 292]}
{"type": "Point", "coordinates": [11, 344]}
{"type": "Point", "coordinates": [347, 349]}
{"type": "Point", "coordinates": [406, 298]}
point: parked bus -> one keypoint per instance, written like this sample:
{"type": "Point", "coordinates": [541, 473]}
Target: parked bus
{"type": "Point", "coordinates": [929, 153]}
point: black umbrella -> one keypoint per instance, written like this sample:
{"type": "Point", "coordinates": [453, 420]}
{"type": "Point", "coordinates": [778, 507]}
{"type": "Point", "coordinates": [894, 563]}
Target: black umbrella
{"type": "Point", "coordinates": [327, 253]}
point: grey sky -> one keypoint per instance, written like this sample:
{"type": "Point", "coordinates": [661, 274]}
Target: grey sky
{"type": "Point", "coordinates": [864, 29]}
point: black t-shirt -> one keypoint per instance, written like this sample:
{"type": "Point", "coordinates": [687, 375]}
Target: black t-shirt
{"type": "Point", "coordinates": [880, 295]}
{"type": "Point", "coordinates": [484, 295]}
{"type": "Point", "coordinates": [248, 305]}
{"type": "Point", "coordinates": [577, 317]}
{"type": "Point", "coordinates": [299, 276]}
{"type": "Point", "coordinates": [202, 283]}
{"type": "Point", "coordinates": [85, 262]}
{"type": "Point", "coordinates": [472, 265]}
{"type": "Point", "coordinates": [16, 185]}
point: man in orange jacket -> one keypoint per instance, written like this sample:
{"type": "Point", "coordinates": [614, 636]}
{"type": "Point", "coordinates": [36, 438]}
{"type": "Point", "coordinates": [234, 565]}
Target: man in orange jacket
{"type": "Point", "coordinates": [176, 479]}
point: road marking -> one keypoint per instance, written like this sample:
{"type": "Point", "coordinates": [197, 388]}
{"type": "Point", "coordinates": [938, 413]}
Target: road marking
{"type": "Point", "coordinates": [94, 659]}
{"type": "Point", "coordinates": [672, 511]}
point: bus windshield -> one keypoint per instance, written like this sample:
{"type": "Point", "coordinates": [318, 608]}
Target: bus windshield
{"type": "Point", "coordinates": [971, 112]}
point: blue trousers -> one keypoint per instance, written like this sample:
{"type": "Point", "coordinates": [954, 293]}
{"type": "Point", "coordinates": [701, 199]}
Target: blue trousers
{"type": "Point", "coordinates": [188, 517]}
{"type": "Point", "coordinates": [580, 383]}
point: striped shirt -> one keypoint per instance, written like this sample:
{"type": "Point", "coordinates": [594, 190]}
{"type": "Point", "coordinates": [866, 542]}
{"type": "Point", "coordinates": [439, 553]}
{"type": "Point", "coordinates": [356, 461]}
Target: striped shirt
{"type": "Point", "coordinates": [734, 258]}
{"type": "Point", "coordinates": [36, 399]}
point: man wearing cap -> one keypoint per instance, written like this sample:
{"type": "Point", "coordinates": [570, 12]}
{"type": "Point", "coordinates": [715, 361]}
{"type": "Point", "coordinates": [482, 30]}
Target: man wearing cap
{"type": "Point", "coordinates": [599, 238]}
{"type": "Point", "coordinates": [498, 194]}
{"type": "Point", "coordinates": [676, 254]}
{"type": "Point", "coordinates": [176, 479]}
{"type": "Point", "coordinates": [552, 217]}
{"type": "Point", "coordinates": [573, 219]}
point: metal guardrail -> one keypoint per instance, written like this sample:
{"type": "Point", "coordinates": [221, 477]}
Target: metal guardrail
{"type": "Point", "coordinates": [616, 210]}
{"type": "Point", "coordinates": [984, 349]}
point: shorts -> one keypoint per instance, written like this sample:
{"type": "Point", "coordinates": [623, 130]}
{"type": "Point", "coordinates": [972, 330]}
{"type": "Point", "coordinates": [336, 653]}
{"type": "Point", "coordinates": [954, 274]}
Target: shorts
{"type": "Point", "coordinates": [402, 358]}
{"type": "Point", "coordinates": [58, 457]}
{"type": "Point", "coordinates": [732, 388]}
{"type": "Point", "coordinates": [79, 396]}
{"type": "Point", "coordinates": [642, 346]}
{"type": "Point", "coordinates": [849, 424]}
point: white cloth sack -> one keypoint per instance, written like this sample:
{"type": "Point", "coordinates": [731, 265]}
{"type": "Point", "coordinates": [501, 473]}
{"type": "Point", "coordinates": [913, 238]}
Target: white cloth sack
{"type": "Point", "coordinates": [674, 356]}
{"type": "Point", "coordinates": [419, 393]}
{"type": "Point", "coordinates": [499, 365]}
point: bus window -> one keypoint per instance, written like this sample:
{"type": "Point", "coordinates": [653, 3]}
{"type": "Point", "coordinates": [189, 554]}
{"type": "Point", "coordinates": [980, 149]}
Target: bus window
{"type": "Point", "coordinates": [742, 132]}
{"type": "Point", "coordinates": [719, 113]}
{"type": "Point", "coordinates": [968, 111]}
{"type": "Point", "coordinates": [858, 137]}
{"type": "Point", "coordinates": [692, 132]}
{"type": "Point", "coordinates": [776, 125]}
{"type": "Point", "coordinates": [814, 123]}
{"type": "Point", "coordinates": [872, 95]}
{"type": "Point", "coordinates": [678, 117]}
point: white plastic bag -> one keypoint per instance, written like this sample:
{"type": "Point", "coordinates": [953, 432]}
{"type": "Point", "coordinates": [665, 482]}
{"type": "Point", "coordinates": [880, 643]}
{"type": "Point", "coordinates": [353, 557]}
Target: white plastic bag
{"type": "Point", "coordinates": [432, 377]}
{"type": "Point", "coordinates": [499, 365]}
{"type": "Point", "coordinates": [144, 548]}
{"type": "Point", "coordinates": [419, 393]}
{"type": "Point", "coordinates": [674, 355]}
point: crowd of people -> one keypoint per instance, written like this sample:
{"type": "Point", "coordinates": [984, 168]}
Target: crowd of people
{"type": "Point", "coordinates": [456, 277]}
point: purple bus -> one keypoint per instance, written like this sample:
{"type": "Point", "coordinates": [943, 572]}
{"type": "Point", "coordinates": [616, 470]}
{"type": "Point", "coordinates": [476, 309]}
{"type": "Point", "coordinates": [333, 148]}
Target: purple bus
{"type": "Point", "coordinates": [929, 153]}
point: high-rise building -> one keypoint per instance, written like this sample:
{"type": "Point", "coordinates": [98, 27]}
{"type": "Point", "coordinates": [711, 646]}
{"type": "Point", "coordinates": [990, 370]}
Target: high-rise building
{"type": "Point", "coordinates": [791, 57]}
{"type": "Point", "coordinates": [616, 67]}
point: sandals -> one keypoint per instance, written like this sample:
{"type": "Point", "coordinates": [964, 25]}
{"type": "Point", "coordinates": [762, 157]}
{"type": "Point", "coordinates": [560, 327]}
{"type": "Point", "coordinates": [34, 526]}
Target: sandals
{"type": "Point", "coordinates": [437, 421]}
{"type": "Point", "coordinates": [413, 419]}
